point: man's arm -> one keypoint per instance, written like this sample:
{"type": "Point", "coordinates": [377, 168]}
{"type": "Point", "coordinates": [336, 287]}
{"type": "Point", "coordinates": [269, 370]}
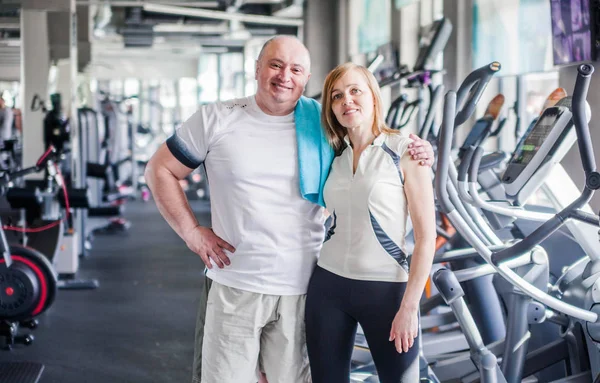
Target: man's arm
{"type": "Point", "coordinates": [421, 150]}
{"type": "Point", "coordinates": [163, 174]}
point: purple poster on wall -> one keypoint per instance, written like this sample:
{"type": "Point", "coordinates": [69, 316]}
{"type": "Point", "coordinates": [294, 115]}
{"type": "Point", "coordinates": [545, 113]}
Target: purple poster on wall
{"type": "Point", "coordinates": [571, 34]}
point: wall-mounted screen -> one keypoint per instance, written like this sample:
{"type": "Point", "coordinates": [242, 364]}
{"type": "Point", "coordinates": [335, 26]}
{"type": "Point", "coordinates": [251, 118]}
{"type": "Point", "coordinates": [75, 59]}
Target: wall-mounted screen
{"type": "Point", "coordinates": [571, 31]}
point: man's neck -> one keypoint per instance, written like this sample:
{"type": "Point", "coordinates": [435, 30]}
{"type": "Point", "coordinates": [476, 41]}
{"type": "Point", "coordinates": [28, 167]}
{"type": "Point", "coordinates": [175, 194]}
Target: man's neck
{"type": "Point", "coordinates": [274, 109]}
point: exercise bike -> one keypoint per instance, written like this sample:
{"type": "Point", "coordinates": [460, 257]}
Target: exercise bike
{"type": "Point", "coordinates": [28, 282]}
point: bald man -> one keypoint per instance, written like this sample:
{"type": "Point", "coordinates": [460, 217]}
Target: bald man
{"type": "Point", "coordinates": [265, 237]}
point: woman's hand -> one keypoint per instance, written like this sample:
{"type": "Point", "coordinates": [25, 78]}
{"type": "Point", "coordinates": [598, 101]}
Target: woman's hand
{"type": "Point", "coordinates": [405, 328]}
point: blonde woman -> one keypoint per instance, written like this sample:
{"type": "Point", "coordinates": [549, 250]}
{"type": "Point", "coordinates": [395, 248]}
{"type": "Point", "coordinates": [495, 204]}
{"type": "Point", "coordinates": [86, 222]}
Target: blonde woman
{"type": "Point", "coordinates": [362, 276]}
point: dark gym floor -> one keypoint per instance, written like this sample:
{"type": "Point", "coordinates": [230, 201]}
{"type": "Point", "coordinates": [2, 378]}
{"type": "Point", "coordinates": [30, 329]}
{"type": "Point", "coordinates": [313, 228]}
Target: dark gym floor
{"type": "Point", "coordinates": [138, 326]}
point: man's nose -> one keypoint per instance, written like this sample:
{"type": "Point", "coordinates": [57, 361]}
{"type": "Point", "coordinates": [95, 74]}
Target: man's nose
{"type": "Point", "coordinates": [285, 74]}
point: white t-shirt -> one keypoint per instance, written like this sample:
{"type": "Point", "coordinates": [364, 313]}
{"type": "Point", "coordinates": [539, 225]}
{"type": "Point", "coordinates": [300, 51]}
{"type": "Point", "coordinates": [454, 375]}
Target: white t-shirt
{"type": "Point", "coordinates": [251, 161]}
{"type": "Point", "coordinates": [370, 212]}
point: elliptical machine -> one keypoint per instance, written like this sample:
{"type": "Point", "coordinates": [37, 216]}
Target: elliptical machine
{"type": "Point", "coordinates": [573, 300]}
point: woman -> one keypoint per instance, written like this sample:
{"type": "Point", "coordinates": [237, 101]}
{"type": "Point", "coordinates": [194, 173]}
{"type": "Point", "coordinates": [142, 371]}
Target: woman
{"type": "Point", "coordinates": [362, 276]}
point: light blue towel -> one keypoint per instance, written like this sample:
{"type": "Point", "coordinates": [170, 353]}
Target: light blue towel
{"type": "Point", "coordinates": [315, 155]}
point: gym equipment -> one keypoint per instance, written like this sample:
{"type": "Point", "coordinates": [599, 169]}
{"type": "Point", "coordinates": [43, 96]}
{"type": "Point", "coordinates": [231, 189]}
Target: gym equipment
{"type": "Point", "coordinates": [542, 332]}
{"type": "Point", "coordinates": [57, 132]}
{"type": "Point", "coordinates": [486, 361]}
{"type": "Point", "coordinates": [574, 292]}
{"type": "Point", "coordinates": [41, 226]}
{"type": "Point", "coordinates": [483, 127]}
{"type": "Point", "coordinates": [454, 367]}
{"type": "Point", "coordinates": [434, 38]}
{"type": "Point", "coordinates": [106, 196]}
{"type": "Point", "coordinates": [28, 282]}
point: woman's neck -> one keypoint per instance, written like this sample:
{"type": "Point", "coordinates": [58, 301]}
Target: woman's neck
{"type": "Point", "coordinates": [360, 138]}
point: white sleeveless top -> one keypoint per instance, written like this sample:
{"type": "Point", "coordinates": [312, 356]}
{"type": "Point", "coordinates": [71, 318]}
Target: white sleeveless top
{"type": "Point", "coordinates": [370, 213]}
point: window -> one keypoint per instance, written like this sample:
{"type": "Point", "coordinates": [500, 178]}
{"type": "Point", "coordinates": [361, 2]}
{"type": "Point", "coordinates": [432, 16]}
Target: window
{"type": "Point", "coordinates": [208, 78]}
{"type": "Point", "coordinates": [188, 97]}
{"type": "Point", "coordinates": [232, 76]}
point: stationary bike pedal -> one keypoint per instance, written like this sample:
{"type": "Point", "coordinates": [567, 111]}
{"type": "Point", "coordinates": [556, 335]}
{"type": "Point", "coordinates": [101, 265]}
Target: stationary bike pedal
{"type": "Point", "coordinates": [27, 340]}
{"type": "Point", "coordinates": [31, 324]}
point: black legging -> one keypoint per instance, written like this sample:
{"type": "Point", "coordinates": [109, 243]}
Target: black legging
{"type": "Point", "coordinates": [334, 306]}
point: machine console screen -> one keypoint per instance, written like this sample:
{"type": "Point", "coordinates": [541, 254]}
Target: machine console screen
{"type": "Point", "coordinates": [531, 143]}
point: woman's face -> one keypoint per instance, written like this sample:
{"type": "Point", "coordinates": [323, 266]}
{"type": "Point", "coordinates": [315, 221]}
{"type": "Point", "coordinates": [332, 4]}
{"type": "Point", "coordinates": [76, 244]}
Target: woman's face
{"type": "Point", "coordinates": [352, 101]}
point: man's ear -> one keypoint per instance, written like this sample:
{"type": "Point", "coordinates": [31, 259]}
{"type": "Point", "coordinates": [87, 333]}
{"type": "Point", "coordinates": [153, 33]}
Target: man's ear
{"type": "Point", "coordinates": [306, 82]}
{"type": "Point", "coordinates": [256, 69]}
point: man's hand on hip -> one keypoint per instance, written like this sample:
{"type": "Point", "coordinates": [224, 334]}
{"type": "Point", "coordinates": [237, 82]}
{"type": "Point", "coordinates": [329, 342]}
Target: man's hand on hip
{"type": "Point", "coordinates": [204, 242]}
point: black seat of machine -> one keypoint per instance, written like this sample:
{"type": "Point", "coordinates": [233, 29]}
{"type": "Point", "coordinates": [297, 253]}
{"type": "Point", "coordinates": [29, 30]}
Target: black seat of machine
{"type": "Point", "coordinates": [105, 211]}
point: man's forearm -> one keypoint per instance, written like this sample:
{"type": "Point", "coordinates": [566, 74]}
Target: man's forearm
{"type": "Point", "coordinates": [171, 201]}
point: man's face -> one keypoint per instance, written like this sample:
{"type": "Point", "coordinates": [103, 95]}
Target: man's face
{"type": "Point", "coordinates": [283, 71]}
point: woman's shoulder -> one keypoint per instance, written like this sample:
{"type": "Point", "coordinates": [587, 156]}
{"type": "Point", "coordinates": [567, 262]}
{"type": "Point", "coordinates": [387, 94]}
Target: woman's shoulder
{"type": "Point", "coordinates": [398, 142]}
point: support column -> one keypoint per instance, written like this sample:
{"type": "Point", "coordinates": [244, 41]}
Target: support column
{"type": "Point", "coordinates": [63, 49]}
{"type": "Point", "coordinates": [321, 27]}
{"type": "Point", "coordinates": [405, 25]}
{"type": "Point", "coordinates": [35, 66]}
{"type": "Point", "coordinates": [63, 45]}
{"type": "Point", "coordinates": [405, 32]}
{"type": "Point", "coordinates": [343, 32]}
{"type": "Point", "coordinates": [457, 55]}
{"type": "Point", "coordinates": [84, 31]}
{"type": "Point", "coordinates": [49, 33]}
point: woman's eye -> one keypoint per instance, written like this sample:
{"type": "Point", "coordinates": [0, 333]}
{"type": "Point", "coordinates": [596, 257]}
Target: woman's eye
{"type": "Point", "coordinates": [355, 91]}
{"type": "Point", "coordinates": [336, 96]}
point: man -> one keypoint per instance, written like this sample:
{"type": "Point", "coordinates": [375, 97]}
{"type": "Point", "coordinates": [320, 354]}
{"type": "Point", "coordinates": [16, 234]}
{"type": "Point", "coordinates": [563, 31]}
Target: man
{"type": "Point", "coordinates": [265, 237]}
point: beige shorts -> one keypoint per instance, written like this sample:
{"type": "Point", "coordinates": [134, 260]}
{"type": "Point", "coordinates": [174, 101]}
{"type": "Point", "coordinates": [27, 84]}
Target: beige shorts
{"type": "Point", "coordinates": [242, 327]}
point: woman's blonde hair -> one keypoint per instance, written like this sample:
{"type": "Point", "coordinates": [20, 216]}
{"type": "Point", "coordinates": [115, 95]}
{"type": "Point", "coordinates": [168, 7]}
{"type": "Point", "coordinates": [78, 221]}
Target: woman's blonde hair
{"type": "Point", "coordinates": [334, 131]}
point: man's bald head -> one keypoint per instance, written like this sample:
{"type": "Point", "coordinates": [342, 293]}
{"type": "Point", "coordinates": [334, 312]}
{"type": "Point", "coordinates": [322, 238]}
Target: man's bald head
{"type": "Point", "coordinates": [283, 39]}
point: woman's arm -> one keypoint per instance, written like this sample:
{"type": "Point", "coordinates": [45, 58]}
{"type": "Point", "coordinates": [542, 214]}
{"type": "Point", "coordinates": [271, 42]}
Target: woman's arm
{"type": "Point", "coordinates": [419, 194]}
